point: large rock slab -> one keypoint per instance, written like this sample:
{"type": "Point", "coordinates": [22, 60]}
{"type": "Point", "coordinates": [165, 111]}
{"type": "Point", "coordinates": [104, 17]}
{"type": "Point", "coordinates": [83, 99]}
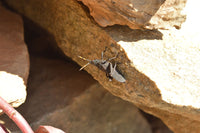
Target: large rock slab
{"type": "Point", "coordinates": [14, 58]}
{"type": "Point", "coordinates": [172, 65]}
{"type": "Point", "coordinates": [160, 67]}
{"type": "Point", "coordinates": [96, 110]}
{"type": "Point", "coordinates": [137, 14]}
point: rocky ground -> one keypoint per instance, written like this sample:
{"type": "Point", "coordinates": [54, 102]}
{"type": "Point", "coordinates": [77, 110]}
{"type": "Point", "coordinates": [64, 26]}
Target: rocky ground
{"type": "Point", "coordinates": [62, 96]}
{"type": "Point", "coordinates": [158, 58]}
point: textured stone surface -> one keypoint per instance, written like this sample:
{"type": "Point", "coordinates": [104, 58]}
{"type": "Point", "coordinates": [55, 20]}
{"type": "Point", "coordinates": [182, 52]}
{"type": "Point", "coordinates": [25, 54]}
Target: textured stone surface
{"type": "Point", "coordinates": [96, 110]}
{"type": "Point", "coordinates": [170, 15]}
{"type": "Point", "coordinates": [14, 59]}
{"type": "Point", "coordinates": [172, 64]}
{"type": "Point", "coordinates": [161, 67]}
{"type": "Point", "coordinates": [137, 13]}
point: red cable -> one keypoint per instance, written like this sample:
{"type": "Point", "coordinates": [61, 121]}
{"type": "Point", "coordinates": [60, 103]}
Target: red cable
{"type": "Point", "coordinates": [15, 116]}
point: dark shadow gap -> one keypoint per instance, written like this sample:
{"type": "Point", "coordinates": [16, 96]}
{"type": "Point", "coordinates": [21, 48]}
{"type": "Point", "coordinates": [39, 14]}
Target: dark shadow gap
{"type": "Point", "coordinates": [124, 33]}
{"type": "Point", "coordinates": [156, 124]}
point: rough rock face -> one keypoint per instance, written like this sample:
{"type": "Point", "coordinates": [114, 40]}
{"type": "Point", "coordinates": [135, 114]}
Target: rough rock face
{"type": "Point", "coordinates": [96, 110]}
{"type": "Point", "coordinates": [14, 59]}
{"type": "Point", "coordinates": [160, 67]}
{"type": "Point", "coordinates": [170, 14]}
{"type": "Point", "coordinates": [172, 65]}
{"type": "Point", "coordinates": [75, 103]}
{"type": "Point", "coordinates": [137, 13]}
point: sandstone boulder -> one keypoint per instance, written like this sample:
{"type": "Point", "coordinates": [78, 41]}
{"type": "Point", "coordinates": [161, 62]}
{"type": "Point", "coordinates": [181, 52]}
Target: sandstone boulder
{"type": "Point", "coordinates": [161, 67]}
{"type": "Point", "coordinates": [14, 59]}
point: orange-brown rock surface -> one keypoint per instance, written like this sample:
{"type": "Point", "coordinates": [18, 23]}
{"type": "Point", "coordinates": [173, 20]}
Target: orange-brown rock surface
{"type": "Point", "coordinates": [14, 59]}
{"type": "Point", "coordinates": [137, 14]}
{"type": "Point", "coordinates": [160, 66]}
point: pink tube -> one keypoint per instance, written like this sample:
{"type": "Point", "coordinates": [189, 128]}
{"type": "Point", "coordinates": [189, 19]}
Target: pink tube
{"type": "Point", "coordinates": [15, 116]}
